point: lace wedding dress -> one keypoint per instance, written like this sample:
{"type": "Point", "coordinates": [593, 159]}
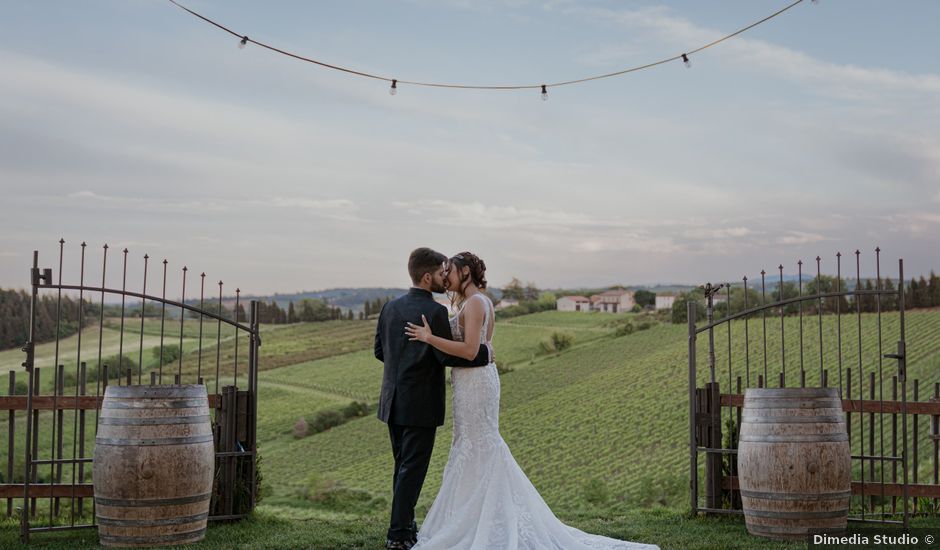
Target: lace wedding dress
{"type": "Point", "coordinates": [486, 501]}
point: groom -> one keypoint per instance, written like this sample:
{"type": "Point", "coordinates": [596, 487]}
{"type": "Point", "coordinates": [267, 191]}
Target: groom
{"type": "Point", "coordinates": [412, 400]}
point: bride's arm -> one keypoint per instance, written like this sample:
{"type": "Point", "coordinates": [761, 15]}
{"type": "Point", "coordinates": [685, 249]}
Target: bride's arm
{"type": "Point", "coordinates": [469, 348]}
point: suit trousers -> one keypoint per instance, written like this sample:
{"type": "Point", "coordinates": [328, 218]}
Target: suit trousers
{"type": "Point", "coordinates": [411, 447]}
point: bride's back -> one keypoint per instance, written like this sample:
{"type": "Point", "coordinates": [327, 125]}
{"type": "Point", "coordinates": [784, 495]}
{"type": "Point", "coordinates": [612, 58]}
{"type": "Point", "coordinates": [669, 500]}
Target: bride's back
{"type": "Point", "coordinates": [486, 329]}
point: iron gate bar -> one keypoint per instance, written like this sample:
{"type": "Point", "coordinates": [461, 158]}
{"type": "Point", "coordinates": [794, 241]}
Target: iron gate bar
{"type": "Point", "coordinates": [901, 357]}
{"type": "Point", "coordinates": [123, 298]}
{"type": "Point", "coordinates": [783, 351]}
{"type": "Point", "coordinates": [799, 263]}
{"type": "Point", "coordinates": [179, 371]}
{"type": "Point", "coordinates": [162, 324]}
{"type": "Point", "coordinates": [763, 317]}
{"type": "Point", "coordinates": [693, 447]}
{"type": "Point", "coordinates": [59, 374]}
{"type": "Point", "coordinates": [881, 418]}
{"type": "Point", "coordinates": [861, 379]}
{"type": "Point", "coordinates": [202, 289]}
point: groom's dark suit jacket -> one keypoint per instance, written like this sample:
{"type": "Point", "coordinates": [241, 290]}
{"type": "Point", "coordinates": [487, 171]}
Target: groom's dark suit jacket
{"type": "Point", "coordinates": [413, 391]}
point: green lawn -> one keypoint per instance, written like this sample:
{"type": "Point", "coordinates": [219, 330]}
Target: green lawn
{"type": "Point", "coordinates": [274, 527]}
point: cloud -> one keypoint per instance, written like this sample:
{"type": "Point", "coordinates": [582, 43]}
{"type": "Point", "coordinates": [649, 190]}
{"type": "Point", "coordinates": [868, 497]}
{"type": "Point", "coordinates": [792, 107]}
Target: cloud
{"type": "Point", "coordinates": [800, 237]}
{"type": "Point", "coordinates": [720, 233]}
{"type": "Point", "coordinates": [340, 209]}
{"type": "Point", "coordinates": [840, 80]}
{"type": "Point", "coordinates": [915, 224]}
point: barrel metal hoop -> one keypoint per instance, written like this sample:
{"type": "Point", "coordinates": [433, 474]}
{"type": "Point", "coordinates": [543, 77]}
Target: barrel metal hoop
{"type": "Point", "coordinates": [790, 404]}
{"type": "Point", "coordinates": [773, 514]}
{"type": "Point", "coordinates": [151, 522]}
{"type": "Point", "coordinates": [156, 392]}
{"type": "Point", "coordinates": [790, 393]}
{"type": "Point", "coordinates": [138, 503]}
{"type": "Point", "coordinates": [797, 438]}
{"type": "Point", "coordinates": [796, 496]}
{"type": "Point", "coordinates": [157, 441]}
{"type": "Point", "coordinates": [176, 537]}
{"type": "Point", "coordinates": [747, 419]}
{"type": "Point", "coordinates": [155, 421]}
{"type": "Point", "coordinates": [155, 404]}
{"type": "Point", "coordinates": [794, 532]}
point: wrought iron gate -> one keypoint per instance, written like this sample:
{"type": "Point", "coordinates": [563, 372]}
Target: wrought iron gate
{"type": "Point", "coordinates": [235, 411]}
{"type": "Point", "coordinates": [881, 490]}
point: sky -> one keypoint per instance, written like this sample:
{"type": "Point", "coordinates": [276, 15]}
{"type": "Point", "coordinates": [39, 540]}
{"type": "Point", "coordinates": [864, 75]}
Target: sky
{"type": "Point", "coordinates": [134, 124]}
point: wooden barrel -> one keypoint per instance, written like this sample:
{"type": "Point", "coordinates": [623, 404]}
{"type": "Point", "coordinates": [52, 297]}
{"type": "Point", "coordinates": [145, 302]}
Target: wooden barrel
{"type": "Point", "coordinates": [794, 462]}
{"type": "Point", "coordinates": [153, 465]}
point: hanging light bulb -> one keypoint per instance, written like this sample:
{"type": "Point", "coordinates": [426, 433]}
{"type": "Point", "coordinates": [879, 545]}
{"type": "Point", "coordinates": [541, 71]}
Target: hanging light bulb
{"type": "Point", "coordinates": [241, 45]}
{"type": "Point", "coordinates": [394, 89]}
{"type": "Point", "coordinates": [685, 59]}
{"type": "Point", "coordinates": [544, 93]}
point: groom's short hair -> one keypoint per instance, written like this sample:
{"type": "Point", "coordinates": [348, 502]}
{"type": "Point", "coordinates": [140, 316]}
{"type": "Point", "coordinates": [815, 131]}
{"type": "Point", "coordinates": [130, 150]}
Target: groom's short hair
{"type": "Point", "coordinates": [424, 260]}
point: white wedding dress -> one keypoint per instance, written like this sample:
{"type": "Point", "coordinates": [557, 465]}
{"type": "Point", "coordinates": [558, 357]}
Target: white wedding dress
{"type": "Point", "coordinates": [486, 501]}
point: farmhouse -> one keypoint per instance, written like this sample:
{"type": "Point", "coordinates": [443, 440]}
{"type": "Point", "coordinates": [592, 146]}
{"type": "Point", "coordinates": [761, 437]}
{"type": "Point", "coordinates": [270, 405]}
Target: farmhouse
{"type": "Point", "coordinates": [573, 303]}
{"type": "Point", "coordinates": [613, 301]}
{"type": "Point", "coordinates": [665, 301]}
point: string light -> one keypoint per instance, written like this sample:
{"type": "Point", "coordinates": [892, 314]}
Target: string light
{"type": "Point", "coordinates": [394, 82]}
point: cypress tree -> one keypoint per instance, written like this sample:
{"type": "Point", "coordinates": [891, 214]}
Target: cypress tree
{"type": "Point", "coordinates": [889, 302]}
{"type": "Point", "coordinates": [934, 292]}
{"type": "Point", "coordinates": [923, 300]}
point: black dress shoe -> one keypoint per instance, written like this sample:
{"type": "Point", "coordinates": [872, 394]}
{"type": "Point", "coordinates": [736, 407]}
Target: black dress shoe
{"type": "Point", "coordinates": [398, 544]}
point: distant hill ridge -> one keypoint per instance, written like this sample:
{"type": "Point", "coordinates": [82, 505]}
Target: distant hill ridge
{"type": "Point", "coordinates": [345, 298]}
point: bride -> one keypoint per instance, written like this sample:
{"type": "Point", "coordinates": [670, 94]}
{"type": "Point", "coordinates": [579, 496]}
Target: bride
{"type": "Point", "coordinates": [485, 500]}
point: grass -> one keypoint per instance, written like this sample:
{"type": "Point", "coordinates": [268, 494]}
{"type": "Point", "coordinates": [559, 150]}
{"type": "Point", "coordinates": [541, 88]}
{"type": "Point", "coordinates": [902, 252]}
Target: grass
{"type": "Point", "coordinates": [275, 527]}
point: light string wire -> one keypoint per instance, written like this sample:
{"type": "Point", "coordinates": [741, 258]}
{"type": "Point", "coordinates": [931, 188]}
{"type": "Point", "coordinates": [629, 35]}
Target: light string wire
{"type": "Point", "coordinates": [682, 56]}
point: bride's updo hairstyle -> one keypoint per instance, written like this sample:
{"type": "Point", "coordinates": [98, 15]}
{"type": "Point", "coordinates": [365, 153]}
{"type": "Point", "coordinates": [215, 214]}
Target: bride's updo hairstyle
{"type": "Point", "coordinates": [476, 275]}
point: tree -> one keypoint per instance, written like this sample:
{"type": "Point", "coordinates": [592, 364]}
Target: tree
{"type": "Point", "coordinates": [514, 290]}
{"type": "Point", "coordinates": [313, 311]}
{"type": "Point", "coordinates": [869, 302]}
{"type": "Point", "coordinates": [291, 314]}
{"type": "Point", "coordinates": [889, 302]}
{"type": "Point", "coordinates": [680, 312]}
{"type": "Point", "coordinates": [825, 285]}
{"type": "Point", "coordinates": [644, 298]}
{"type": "Point", "coordinates": [933, 289]}
{"type": "Point", "coordinates": [923, 300]}
{"type": "Point", "coordinates": [531, 292]}
{"type": "Point", "coordinates": [790, 290]}
{"type": "Point", "coordinates": [240, 313]}
{"type": "Point", "coordinates": [349, 315]}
